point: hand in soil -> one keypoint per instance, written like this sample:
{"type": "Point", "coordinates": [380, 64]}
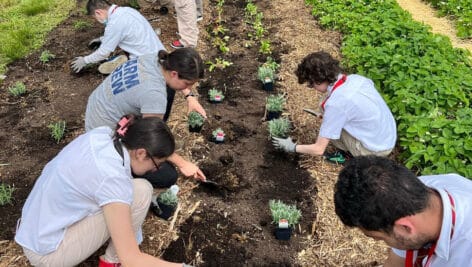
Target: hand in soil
{"type": "Point", "coordinates": [285, 144]}
{"type": "Point", "coordinates": [78, 64]}
{"type": "Point", "coordinates": [191, 170]}
{"type": "Point", "coordinates": [194, 105]}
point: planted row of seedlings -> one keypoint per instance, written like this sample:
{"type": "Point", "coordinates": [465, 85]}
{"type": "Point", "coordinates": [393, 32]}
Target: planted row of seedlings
{"type": "Point", "coordinates": [284, 216]}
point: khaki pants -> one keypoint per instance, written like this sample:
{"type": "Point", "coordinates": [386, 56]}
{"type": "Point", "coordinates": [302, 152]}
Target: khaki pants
{"type": "Point", "coordinates": [170, 4]}
{"type": "Point", "coordinates": [187, 22]}
{"type": "Point", "coordinates": [85, 237]}
{"type": "Point", "coordinates": [351, 144]}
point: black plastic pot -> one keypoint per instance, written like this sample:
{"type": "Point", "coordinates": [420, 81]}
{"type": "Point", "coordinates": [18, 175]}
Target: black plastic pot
{"type": "Point", "coordinates": [269, 86]}
{"type": "Point", "coordinates": [164, 211]}
{"type": "Point", "coordinates": [215, 101]}
{"type": "Point", "coordinates": [195, 129]}
{"type": "Point", "coordinates": [283, 233]}
{"type": "Point", "coordinates": [273, 115]}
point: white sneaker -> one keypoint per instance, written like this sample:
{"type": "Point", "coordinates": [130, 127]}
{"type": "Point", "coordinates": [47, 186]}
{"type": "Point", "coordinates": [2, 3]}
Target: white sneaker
{"type": "Point", "coordinates": [199, 18]}
{"type": "Point", "coordinates": [110, 65]}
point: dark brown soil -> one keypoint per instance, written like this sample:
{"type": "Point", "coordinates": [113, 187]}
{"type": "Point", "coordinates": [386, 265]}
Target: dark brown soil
{"type": "Point", "coordinates": [233, 227]}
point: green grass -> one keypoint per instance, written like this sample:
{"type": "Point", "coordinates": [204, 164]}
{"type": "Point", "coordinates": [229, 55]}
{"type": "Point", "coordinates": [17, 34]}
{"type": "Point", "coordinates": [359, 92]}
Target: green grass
{"type": "Point", "coordinates": [24, 25]}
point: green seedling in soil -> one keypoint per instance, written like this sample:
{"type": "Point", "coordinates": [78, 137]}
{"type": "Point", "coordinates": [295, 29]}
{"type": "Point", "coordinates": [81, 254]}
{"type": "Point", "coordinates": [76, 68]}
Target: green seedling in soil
{"type": "Point", "coordinates": [195, 119]}
{"type": "Point", "coordinates": [134, 4]}
{"type": "Point", "coordinates": [250, 11]}
{"type": "Point", "coordinates": [265, 47]}
{"type": "Point", "coordinates": [219, 64]}
{"type": "Point", "coordinates": [218, 131]}
{"type": "Point", "coordinates": [46, 56]}
{"type": "Point", "coordinates": [220, 43]}
{"type": "Point", "coordinates": [18, 89]}
{"type": "Point", "coordinates": [168, 198]}
{"type": "Point", "coordinates": [271, 64]}
{"type": "Point", "coordinates": [275, 103]}
{"type": "Point", "coordinates": [279, 127]}
{"type": "Point", "coordinates": [214, 93]}
{"type": "Point", "coordinates": [265, 74]}
{"type": "Point", "coordinates": [280, 210]}
{"type": "Point", "coordinates": [57, 130]}
{"type": "Point", "coordinates": [6, 194]}
{"type": "Point", "coordinates": [82, 25]}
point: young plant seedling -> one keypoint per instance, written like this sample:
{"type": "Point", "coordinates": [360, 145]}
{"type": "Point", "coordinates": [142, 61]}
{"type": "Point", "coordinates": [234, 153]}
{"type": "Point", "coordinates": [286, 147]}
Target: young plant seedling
{"type": "Point", "coordinates": [6, 194]}
{"type": "Point", "coordinates": [166, 203]}
{"type": "Point", "coordinates": [266, 76]}
{"type": "Point", "coordinates": [82, 25]}
{"type": "Point", "coordinates": [215, 96]}
{"type": "Point", "coordinates": [265, 47]}
{"type": "Point", "coordinates": [195, 121]}
{"type": "Point", "coordinates": [270, 63]}
{"type": "Point", "coordinates": [274, 106]}
{"type": "Point", "coordinates": [18, 89]}
{"type": "Point", "coordinates": [218, 64]}
{"type": "Point", "coordinates": [279, 127]}
{"type": "Point", "coordinates": [285, 217]}
{"type": "Point", "coordinates": [218, 135]}
{"type": "Point", "coordinates": [46, 56]}
{"type": "Point", "coordinates": [275, 103]}
{"type": "Point", "coordinates": [57, 130]}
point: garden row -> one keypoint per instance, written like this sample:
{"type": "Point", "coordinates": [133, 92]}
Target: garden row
{"type": "Point", "coordinates": [460, 11]}
{"type": "Point", "coordinates": [425, 81]}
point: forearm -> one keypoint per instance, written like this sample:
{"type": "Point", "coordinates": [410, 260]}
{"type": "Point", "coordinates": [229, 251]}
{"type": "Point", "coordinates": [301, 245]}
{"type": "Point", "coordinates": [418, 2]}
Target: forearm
{"type": "Point", "coordinates": [177, 160]}
{"type": "Point", "coordinates": [316, 149]}
{"type": "Point", "coordinates": [97, 56]}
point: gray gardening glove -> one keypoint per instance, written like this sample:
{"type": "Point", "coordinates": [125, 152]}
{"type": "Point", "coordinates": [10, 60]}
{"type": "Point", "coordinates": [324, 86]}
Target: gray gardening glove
{"type": "Point", "coordinates": [285, 144]}
{"type": "Point", "coordinates": [78, 64]}
{"type": "Point", "coordinates": [95, 43]}
{"type": "Point", "coordinates": [186, 265]}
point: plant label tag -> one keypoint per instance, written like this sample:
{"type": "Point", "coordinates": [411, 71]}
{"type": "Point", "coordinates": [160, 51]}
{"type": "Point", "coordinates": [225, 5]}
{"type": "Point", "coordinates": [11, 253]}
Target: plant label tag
{"type": "Point", "coordinates": [217, 98]}
{"type": "Point", "coordinates": [267, 80]}
{"type": "Point", "coordinates": [283, 223]}
{"type": "Point", "coordinates": [220, 137]}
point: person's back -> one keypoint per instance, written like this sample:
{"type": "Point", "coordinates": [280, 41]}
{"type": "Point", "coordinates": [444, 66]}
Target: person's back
{"type": "Point", "coordinates": [68, 192]}
{"type": "Point", "coordinates": [129, 30]}
{"type": "Point", "coordinates": [358, 108]}
{"type": "Point", "coordinates": [134, 87]}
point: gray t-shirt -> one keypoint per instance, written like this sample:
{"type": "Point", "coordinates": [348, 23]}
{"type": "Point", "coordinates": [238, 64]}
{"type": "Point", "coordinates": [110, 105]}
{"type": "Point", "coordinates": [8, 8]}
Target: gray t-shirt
{"type": "Point", "coordinates": [137, 87]}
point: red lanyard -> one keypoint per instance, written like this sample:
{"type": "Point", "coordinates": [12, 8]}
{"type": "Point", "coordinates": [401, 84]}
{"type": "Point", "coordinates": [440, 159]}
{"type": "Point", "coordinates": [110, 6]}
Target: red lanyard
{"type": "Point", "coordinates": [336, 85]}
{"type": "Point", "coordinates": [113, 10]}
{"type": "Point", "coordinates": [409, 262]}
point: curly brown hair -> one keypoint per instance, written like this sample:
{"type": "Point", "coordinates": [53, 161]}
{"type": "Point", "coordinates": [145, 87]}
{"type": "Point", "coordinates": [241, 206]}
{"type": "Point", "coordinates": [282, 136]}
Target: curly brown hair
{"type": "Point", "coordinates": [317, 68]}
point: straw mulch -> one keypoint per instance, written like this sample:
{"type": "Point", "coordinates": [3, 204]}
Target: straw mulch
{"type": "Point", "coordinates": [331, 243]}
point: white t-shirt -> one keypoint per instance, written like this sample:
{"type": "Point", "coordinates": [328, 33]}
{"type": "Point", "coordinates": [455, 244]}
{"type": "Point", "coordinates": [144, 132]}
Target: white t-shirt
{"type": "Point", "coordinates": [456, 251]}
{"type": "Point", "coordinates": [128, 29]}
{"type": "Point", "coordinates": [86, 175]}
{"type": "Point", "coordinates": [137, 86]}
{"type": "Point", "coordinates": [360, 110]}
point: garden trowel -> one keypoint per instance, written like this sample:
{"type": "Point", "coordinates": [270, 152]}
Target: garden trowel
{"type": "Point", "coordinates": [312, 112]}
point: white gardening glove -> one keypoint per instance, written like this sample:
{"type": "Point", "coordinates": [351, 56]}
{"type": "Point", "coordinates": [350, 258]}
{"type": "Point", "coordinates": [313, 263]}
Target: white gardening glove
{"type": "Point", "coordinates": [78, 64]}
{"type": "Point", "coordinates": [95, 43]}
{"type": "Point", "coordinates": [187, 265]}
{"type": "Point", "coordinates": [285, 144]}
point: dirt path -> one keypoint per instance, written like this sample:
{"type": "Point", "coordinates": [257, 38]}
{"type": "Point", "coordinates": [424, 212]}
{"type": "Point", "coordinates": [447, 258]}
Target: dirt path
{"type": "Point", "coordinates": [422, 12]}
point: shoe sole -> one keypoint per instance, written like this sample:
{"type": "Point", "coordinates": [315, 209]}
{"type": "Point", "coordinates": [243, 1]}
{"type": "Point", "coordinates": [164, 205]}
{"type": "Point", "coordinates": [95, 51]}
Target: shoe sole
{"type": "Point", "coordinates": [109, 66]}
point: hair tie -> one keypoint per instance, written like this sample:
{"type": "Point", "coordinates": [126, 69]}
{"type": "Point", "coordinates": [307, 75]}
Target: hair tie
{"type": "Point", "coordinates": [123, 123]}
